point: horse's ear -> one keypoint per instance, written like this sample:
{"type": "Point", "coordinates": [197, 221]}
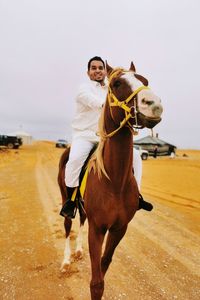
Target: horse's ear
{"type": "Point", "coordinates": [132, 67]}
{"type": "Point", "coordinates": [108, 68]}
{"type": "Point", "coordinates": [142, 79]}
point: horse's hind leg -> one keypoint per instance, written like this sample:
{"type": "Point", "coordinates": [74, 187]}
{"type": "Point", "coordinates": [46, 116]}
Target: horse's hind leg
{"type": "Point", "coordinates": [67, 251]}
{"type": "Point", "coordinates": [96, 238]}
{"type": "Point", "coordinates": [113, 239]}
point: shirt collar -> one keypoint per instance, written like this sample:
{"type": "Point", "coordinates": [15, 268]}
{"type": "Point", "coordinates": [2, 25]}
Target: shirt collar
{"type": "Point", "coordinates": [95, 83]}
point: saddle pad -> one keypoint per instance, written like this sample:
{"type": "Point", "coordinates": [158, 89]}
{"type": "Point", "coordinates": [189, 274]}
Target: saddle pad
{"type": "Point", "coordinates": [83, 177]}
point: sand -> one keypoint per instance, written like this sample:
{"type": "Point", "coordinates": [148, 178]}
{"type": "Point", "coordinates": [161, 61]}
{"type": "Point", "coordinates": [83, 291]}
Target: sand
{"type": "Point", "coordinates": [159, 258]}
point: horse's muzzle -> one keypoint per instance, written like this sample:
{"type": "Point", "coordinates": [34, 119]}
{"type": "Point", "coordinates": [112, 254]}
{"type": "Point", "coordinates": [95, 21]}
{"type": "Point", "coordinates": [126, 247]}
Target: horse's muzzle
{"type": "Point", "coordinates": [148, 121]}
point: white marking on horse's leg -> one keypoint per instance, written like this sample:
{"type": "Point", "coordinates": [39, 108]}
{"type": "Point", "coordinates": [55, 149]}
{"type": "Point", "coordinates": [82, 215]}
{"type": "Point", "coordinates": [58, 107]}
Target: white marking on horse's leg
{"type": "Point", "coordinates": [79, 241]}
{"type": "Point", "coordinates": [67, 255]}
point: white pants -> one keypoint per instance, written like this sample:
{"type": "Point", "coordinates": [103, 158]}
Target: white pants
{"type": "Point", "coordinates": [137, 163]}
{"type": "Point", "coordinates": [80, 148]}
{"type": "Point", "coordinates": [79, 151]}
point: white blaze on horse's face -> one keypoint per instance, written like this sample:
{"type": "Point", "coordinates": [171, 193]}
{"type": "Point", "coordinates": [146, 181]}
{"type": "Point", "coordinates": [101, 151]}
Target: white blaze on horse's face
{"type": "Point", "coordinates": [148, 103]}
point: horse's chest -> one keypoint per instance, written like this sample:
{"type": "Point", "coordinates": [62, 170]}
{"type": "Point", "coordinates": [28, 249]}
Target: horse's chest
{"type": "Point", "coordinates": [118, 212]}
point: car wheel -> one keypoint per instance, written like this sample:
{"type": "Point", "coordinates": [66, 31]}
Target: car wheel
{"type": "Point", "coordinates": [144, 156]}
{"type": "Point", "coordinates": [10, 146]}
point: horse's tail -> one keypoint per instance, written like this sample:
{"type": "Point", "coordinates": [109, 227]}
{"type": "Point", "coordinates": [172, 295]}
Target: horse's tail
{"type": "Point", "coordinates": [61, 174]}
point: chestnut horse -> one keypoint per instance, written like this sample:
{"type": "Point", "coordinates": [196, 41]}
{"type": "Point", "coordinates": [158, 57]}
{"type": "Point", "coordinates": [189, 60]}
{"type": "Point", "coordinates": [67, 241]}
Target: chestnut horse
{"type": "Point", "coordinates": [130, 104]}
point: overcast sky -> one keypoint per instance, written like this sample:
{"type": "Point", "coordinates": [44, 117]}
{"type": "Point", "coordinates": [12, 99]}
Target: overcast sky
{"type": "Point", "coordinates": [45, 46]}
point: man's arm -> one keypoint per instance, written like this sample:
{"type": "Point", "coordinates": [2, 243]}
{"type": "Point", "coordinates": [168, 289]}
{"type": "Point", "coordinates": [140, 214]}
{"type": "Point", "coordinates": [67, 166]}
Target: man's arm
{"type": "Point", "coordinates": [87, 97]}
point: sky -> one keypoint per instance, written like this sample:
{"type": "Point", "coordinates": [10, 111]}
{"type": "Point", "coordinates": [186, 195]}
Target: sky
{"type": "Point", "coordinates": [45, 46]}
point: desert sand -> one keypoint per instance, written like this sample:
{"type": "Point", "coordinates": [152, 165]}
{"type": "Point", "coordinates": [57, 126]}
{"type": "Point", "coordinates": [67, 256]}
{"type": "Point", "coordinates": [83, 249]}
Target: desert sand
{"type": "Point", "coordinates": [159, 258]}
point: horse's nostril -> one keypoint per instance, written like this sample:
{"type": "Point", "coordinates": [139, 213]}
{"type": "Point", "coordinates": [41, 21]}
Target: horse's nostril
{"type": "Point", "coordinates": [157, 110]}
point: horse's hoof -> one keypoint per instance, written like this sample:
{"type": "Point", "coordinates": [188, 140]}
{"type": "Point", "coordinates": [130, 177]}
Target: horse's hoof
{"type": "Point", "coordinates": [64, 267]}
{"type": "Point", "coordinates": [78, 254]}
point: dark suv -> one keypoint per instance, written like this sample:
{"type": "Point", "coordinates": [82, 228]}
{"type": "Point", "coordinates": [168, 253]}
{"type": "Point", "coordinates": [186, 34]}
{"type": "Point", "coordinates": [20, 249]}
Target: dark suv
{"type": "Point", "coordinates": [11, 142]}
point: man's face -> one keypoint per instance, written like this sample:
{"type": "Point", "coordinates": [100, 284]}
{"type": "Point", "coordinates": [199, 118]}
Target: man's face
{"type": "Point", "coordinates": [97, 71]}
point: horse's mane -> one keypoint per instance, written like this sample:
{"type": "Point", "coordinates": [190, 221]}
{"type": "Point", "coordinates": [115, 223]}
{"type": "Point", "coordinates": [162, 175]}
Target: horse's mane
{"type": "Point", "coordinates": [96, 162]}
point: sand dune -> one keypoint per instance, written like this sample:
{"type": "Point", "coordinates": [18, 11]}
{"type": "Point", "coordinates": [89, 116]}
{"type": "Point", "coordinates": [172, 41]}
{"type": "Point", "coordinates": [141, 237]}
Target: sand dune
{"type": "Point", "coordinates": [159, 257]}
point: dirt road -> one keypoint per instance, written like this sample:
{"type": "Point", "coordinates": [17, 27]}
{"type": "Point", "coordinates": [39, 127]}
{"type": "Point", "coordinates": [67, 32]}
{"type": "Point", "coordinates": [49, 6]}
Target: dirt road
{"type": "Point", "coordinates": [159, 258]}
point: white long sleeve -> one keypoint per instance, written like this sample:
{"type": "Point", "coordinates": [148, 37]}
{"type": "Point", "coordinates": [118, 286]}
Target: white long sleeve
{"type": "Point", "coordinates": [89, 101]}
{"type": "Point", "coordinates": [90, 96]}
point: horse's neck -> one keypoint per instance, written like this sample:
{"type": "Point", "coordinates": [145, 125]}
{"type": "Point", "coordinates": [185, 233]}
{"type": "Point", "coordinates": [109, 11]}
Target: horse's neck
{"type": "Point", "coordinates": [118, 155]}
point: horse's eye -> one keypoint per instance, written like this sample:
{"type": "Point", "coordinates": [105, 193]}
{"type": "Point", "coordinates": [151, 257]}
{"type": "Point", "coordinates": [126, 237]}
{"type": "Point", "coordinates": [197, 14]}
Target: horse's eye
{"type": "Point", "coordinates": [117, 83]}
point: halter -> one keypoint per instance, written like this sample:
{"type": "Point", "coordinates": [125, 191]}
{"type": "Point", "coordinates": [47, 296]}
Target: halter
{"type": "Point", "coordinates": [113, 101]}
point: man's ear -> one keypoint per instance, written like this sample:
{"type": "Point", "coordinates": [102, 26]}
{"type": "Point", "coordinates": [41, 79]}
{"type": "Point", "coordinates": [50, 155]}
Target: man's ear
{"type": "Point", "coordinates": [108, 68]}
{"type": "Point", "coordinates": [132, 67]}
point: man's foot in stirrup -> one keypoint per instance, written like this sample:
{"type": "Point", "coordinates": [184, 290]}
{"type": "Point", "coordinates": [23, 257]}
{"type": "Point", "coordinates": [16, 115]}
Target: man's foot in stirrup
{"type": "Point", "coordinates": [144, 204]}
{"type": "Point", "coordinates": [69, 209]}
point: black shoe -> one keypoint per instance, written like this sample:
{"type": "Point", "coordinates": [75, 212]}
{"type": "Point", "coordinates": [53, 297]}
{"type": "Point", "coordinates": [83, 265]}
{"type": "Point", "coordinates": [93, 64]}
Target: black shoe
{"type": "Point", "coordinates": [69, 209]}
{"type": "Point", "coordinates": [144, 204]}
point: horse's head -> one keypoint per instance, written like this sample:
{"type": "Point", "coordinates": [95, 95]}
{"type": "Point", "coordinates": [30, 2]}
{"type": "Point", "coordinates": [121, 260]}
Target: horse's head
{"type": "Point", "coordinates": [129, 91]}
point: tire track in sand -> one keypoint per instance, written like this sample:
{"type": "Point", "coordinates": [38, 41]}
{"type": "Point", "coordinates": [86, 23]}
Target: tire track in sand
{"type": "Point", "coordinates": [49, 193]}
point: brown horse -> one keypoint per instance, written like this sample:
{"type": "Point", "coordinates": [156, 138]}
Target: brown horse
{"type": "Point", "coordinates": [130, 104]}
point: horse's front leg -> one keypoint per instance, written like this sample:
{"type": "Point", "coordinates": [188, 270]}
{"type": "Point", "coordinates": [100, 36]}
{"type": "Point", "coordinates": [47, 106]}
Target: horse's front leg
{"type": "Point", "coordinates": [113, 239]}
{"type": "Point", "coordinates": [67, 251]}
{"type": "Point", "coordinates": [96, 237]}
{"type": "Point", "coordinates": [79, 240]}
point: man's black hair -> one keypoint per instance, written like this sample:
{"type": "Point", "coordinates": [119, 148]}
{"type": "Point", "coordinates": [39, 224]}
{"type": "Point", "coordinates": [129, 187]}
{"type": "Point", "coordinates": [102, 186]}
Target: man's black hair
{"type": "Point", "coordinates": [95, 58]}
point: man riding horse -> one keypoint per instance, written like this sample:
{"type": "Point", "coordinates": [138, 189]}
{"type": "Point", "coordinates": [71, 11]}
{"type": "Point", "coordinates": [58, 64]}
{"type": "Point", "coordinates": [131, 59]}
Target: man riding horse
{"type": "Point", "coordinates": [90, 100]}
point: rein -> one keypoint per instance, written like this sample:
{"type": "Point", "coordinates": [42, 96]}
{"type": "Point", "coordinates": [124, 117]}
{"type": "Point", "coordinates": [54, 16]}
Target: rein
{"type": "Point", "coordinates": [113, 101]}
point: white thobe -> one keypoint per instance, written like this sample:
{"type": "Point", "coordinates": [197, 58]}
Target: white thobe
{"type": "Point", "coordinates": [90, 98]}
{"type": "Point", "coordinates": [89, 101]}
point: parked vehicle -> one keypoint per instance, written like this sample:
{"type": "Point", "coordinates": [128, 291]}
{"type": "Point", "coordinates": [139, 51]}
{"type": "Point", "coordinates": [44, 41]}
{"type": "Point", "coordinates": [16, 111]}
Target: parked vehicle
{"type": "Point", "coordinates": [143, 153]}
{"type": "Point", "coordinates": [150, 143]}
{"type": "Point", "coordinates": [11, 142]}
{"type": "Point", "coordinates": [20, 140]}
{"type": "Point", "coordinates": [61, 143]}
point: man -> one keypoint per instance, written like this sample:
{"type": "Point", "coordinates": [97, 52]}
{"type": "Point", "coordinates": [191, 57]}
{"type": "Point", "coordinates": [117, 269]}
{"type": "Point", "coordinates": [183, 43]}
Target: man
{"type": "Point", "coordinates": [89, 100]}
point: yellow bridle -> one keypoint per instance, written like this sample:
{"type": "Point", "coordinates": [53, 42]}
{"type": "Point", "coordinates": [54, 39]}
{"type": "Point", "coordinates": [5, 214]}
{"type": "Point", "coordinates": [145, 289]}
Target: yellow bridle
{"type": "Point", "coordinates": [113, 101]}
